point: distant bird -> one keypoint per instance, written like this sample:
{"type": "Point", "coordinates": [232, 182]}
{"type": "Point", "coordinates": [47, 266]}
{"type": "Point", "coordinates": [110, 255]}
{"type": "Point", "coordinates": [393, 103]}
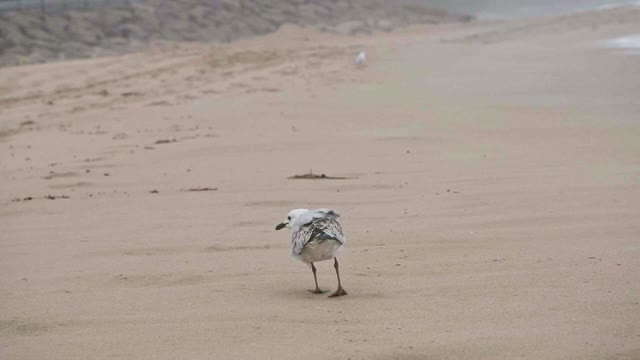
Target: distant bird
{"type": "Point", "coordinates": [361, 59]}
{"type": "Point", "coordinates": [317, 236]}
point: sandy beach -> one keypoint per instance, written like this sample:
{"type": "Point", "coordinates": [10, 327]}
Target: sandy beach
{"type": "Point", "coordinates": [491, 199]}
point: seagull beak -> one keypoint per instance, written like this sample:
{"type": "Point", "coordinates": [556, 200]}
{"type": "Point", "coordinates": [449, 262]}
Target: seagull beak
{"type": "Point", "coordinates": [280, 226]}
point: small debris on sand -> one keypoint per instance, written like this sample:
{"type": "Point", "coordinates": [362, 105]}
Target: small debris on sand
{"type": "Point", "coordinates": [165, 141]}
{"type": "Point", "coordinates": [53, 197]}
{"type": "Point", "coordinates": [48, 197]}
{"type": "Point", "coordinates": [201, 189]}
{"type": "Point", "coordinates": [312, 176]}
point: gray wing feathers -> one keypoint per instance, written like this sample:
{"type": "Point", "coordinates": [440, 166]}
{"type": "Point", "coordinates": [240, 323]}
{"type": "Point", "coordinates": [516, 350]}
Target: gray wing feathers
{"type": "Point", "coordinates": [323, 228]}
{"type": "Point", "coordinates": [326, 213]}
{"type": "Point", "coordinates": [313, 215]}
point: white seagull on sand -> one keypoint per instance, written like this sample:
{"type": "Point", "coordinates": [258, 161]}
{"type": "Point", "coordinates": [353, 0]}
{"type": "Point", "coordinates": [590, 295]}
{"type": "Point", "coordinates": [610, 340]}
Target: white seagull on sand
{"type": "Point", "coordinates": [361, 58]}
{"type": "Point", "coordinates": [317, 236]}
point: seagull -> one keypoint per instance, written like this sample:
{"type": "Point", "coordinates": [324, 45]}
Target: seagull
{"type": "Point", "coordinates": [317, 236]}
{"type": "Point", "coordinates": [361, 58]}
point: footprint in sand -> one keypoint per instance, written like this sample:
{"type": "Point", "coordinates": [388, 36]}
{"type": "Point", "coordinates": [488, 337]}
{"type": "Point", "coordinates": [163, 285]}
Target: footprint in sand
{"type": "Point", "coordinates": [156, 280]}
{"type": "Point", "coordinates": [236, 85]}
{"type": "Point", "coordinates": [70, 186]}
{"type": "Point", "coordinates": [54, 175]}
{"type": "Point", "coordinates": [160, 103]}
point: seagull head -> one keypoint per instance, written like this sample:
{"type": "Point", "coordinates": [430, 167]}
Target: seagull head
{"type": "Point", "coordinates": [291, 218]}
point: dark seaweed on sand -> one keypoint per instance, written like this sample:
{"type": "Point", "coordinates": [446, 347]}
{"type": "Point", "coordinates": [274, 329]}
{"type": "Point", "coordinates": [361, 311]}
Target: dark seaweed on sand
{"type": "Point", "coordinates": [312, 176]}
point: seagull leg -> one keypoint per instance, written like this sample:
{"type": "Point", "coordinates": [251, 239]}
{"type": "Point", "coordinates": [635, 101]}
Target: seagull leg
{"type": "Point", "coordinates": [340, 291]}
{"type": "Point", "coordinates": [317, 290]}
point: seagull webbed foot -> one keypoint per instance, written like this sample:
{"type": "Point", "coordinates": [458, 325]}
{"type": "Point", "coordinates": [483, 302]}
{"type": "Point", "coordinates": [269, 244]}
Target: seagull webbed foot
{"type": "Point", "coordinates": [339, 292]}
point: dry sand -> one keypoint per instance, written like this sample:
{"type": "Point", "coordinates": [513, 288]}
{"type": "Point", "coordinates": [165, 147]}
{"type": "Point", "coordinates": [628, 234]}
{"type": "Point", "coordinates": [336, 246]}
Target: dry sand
{"type": "Point", "coordinates": [492, 212]}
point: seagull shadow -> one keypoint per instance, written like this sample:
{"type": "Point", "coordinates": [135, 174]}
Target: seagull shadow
{"type": "Point", "coordinates": [304, 294]}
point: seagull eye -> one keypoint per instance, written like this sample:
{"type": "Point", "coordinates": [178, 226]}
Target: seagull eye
{"type": "Point", "coordinates": [288, 217]}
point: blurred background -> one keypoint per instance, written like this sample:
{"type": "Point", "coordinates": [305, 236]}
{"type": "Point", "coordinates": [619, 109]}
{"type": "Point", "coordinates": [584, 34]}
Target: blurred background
{"type": "Point", "coordinates": [33, 31]}
{"type": "Point", "coordinates": [492, 9]}
{"type": "Point", "coordinates": [485, 159]}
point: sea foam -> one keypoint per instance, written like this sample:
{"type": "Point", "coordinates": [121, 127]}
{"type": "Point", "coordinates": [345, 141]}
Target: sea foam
{"type": "Point", "coordinates": [628, 44]}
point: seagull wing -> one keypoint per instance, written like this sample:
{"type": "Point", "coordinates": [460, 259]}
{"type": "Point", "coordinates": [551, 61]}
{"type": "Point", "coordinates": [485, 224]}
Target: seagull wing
{"type": "Point", "coordinates": [321, 225]}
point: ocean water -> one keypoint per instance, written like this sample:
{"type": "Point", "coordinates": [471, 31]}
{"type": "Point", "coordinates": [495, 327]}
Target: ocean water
{"type": "Point", "coordinates": [629, 44]}
{"type": "Point", "coordinates": [497, 9]}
